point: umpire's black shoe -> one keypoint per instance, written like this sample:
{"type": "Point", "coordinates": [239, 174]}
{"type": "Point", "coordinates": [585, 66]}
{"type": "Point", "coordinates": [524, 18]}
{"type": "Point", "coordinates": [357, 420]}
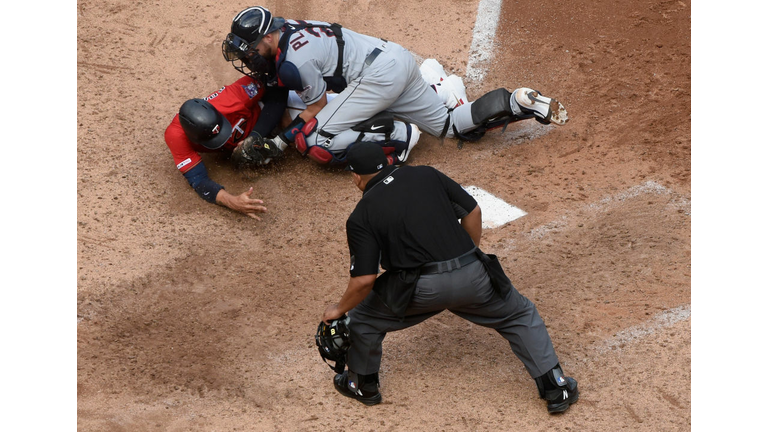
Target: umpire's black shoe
{"type": "Point", "coordinates": [560, 400]}
{"type": "Point", "coordinates": [365, 392]}
{"type": "Point", "coordinates": [558, 390]}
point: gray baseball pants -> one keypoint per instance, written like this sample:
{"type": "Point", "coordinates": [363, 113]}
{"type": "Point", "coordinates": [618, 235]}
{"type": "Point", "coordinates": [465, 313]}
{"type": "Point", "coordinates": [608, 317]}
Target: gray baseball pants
{"type": "Point", "coordinates": [393, 82]}
{"type": "Point", "coordinates": [467, 292]}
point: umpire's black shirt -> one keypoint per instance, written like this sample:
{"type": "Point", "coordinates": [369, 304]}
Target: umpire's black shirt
{"type": "Point", "coordinates": [408, 216]}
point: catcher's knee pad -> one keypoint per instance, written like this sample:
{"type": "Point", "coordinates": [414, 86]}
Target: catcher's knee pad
{"type": "Point", "coordinates": [319, 147]}
{"type": "Point", "coordinates": [491, 105]}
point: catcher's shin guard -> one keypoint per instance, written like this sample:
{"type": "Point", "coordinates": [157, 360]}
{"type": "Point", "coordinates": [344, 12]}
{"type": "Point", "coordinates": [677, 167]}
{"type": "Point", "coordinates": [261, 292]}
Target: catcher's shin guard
{"type": "Point", "coordinates": [492, 105]}
{"type": "Point", "coordinates": [499, 107]}
{"type": "Point", "coordinates": [490, 111]}
{"type": "Point", "coordinates": [558, 390]}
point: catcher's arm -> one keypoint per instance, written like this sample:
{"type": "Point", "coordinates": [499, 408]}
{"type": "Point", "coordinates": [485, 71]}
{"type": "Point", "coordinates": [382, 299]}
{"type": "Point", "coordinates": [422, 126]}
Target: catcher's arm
{"type": "Point", "coordinates": [312, 110]}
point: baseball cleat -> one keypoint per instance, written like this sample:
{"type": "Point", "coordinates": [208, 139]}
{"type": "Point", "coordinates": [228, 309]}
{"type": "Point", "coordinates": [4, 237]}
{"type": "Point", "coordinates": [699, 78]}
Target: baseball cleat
{"type": "Point", "coordinates": [560, 400]}
{"type": "Point", "coordinates": [545, 110]}
{"type": "Point", "coordinates": [342, 384]}
{"type": "Point", "coordinates": [413, 137]}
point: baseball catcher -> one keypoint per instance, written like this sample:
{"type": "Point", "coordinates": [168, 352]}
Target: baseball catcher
{"type": "Point", "coordinates": [370, 75]}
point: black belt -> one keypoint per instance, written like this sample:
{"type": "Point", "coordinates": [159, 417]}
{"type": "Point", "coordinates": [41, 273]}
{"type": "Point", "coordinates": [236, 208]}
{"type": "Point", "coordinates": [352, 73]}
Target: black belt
{"type": "Point", "coordinates": [450, 265]}
{"type": "Point", "coordinates": [372, 56]}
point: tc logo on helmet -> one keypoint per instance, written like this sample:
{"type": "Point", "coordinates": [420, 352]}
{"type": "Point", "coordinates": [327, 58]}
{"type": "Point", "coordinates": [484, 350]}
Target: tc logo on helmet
{"type": "Point", "coordinates": [216, 130]}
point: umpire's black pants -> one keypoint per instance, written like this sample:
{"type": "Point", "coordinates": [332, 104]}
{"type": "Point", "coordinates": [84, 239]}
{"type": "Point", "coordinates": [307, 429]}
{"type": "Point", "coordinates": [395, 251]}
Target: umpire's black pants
{"type": "Point", "coordinates": [468, 293]}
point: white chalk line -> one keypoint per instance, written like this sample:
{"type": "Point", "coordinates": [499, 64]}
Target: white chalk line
{"type": "Point", "coordinates": [483, 36]}
{"type": "Point", "coordinates": [648, 188]}
{"type": "Point", "coordinates": [661, 321]}
{"type": "Point", "coordinates": [665, 319]}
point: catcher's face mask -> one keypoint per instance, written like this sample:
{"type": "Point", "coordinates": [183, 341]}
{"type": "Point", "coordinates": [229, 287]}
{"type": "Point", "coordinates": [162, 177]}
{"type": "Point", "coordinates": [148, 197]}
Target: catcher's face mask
{"type": "Point", "coordinates": [333, 342]}
{"type": "Point", "coordinates": [245, 56]}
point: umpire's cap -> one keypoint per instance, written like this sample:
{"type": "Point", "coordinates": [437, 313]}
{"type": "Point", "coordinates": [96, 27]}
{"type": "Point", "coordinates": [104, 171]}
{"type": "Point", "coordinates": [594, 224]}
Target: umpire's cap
{"type": "Point", "coordinates": [204, 124]}
{"type": "Point", "coordinates": [366, 158]}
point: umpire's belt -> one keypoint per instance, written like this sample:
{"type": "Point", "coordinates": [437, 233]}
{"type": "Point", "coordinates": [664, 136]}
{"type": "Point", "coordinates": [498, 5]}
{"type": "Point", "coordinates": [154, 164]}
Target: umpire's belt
{"type": "Point", "coordinates": [450, 265]}
{"type": "Point", "coordinates": [372, 56]}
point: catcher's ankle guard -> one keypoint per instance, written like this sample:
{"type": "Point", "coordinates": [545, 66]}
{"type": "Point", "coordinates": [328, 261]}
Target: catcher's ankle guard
{"type": "Point", "coordinates": [333, 342]}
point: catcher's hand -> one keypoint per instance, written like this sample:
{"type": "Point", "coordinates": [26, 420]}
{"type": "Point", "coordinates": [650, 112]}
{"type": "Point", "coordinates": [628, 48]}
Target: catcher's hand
{"type": "Point", "coordinates": [255, 151]}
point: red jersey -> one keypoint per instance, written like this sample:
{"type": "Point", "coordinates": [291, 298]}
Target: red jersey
{"type": "Point", "coordinates": [238, 102]}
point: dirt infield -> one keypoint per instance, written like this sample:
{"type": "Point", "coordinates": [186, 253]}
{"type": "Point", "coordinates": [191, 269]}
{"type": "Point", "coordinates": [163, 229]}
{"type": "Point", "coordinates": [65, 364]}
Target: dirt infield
{"type": "Point", "coordinates": [191, 317]}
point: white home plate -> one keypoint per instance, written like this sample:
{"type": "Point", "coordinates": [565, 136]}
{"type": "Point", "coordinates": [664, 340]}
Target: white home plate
{"type": "Point", "coordinates": [495, 211]}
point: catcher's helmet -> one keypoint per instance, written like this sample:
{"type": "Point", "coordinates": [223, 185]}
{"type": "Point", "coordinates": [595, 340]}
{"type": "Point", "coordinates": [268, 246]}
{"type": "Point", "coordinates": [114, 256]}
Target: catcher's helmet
{"type": "Point", "coordinates": [333, 342]}
{"type": "Point", "coordinates": [204, 124]}
{"type": "Point", "coordinates": [248, 28]}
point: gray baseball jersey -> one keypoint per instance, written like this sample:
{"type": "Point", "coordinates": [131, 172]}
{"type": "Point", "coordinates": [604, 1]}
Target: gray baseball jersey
{"type": "Point", "coordinates": [380, 76]}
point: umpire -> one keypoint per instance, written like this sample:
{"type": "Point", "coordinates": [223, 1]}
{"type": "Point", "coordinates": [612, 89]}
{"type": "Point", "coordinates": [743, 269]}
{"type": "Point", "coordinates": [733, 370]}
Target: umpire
{"type": "Point", "coordinates": [406, 222]}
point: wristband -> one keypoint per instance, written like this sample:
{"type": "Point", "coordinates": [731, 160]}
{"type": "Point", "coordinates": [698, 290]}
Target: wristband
{"type": "Point", "coordinates": [198, 178]}
{"type": "Point", "coordinates": [282, 145]}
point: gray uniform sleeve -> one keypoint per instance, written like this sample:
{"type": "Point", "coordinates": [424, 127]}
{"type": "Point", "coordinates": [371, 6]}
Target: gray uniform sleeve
{"type": "Point", "coordinates": [313, 83]}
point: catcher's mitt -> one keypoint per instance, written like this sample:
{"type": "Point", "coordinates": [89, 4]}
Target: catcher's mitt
{"type": "Point", "coordinates": [333, 342]}
{"type": "Point", "coordinates": [255, 151]}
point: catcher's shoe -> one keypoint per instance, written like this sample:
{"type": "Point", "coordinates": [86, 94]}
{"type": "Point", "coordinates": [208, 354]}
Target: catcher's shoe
{"type": "Point", "coordinates": [365, 392]}
{"type": "Point", "coordinates": [413, 137]}
{"type": "Point", "coordinates": [545, 110]}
